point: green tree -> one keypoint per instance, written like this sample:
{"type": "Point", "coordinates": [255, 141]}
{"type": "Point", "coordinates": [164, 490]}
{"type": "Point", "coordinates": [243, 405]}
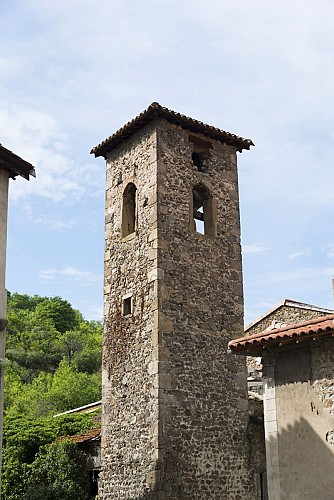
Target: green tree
{"type": "Point", "coordinates": [58, 473]}
{"type": "Point", "coordinates": [23, 301]}
{"type": "Point", "coordinates": [53, 362]}
{"type": "Point", "coordinates": [59, 312]}
{"type": "Point", "coordinates": [49, 394]}
{"type": "Point", "coordinates": [83, 346]}
{"type": "Point", "coordinates": [23, 438]}
{"type": "Point", "coordinates": [42, 331]}
{"type": "Point", "coordinates": [70, 389]}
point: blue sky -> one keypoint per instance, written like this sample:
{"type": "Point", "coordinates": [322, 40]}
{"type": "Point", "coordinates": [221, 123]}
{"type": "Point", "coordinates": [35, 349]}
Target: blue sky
{"type": "Point", "coordinates": [74, 72]}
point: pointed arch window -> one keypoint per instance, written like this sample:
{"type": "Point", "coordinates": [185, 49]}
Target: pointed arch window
{"type": "Point", "coordinates": [203, 211]}
{"type": "Point", "coordinates": [129, 210]}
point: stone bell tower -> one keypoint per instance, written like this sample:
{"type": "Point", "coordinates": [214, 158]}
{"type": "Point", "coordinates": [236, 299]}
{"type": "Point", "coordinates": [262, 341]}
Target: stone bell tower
{"type": "Point", "coordinates": [174, 414]}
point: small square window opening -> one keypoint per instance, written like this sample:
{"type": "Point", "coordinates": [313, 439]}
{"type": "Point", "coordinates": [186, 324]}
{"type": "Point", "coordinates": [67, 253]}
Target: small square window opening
{"type": "Point", "coordinates": [200, 153]}
{"type": "Point", "coordinates": [127, 306]}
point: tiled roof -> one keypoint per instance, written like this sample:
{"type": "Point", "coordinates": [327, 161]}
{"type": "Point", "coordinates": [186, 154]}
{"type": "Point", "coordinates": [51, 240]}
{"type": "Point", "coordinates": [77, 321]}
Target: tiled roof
{"type": "Point", "coordinates": [87, 436]}
{"type": "Point", "coordinates": [90, 435]}
{"type": "Point", "coordinates": [254, 345]}
{"type": "Point", "coordinates": [15, 165]}
{"type": "Point", "coordinates": [156, 111]}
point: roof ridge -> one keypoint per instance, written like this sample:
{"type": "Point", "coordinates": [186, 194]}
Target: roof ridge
{"type": "Point", "coordinates": [155, 110]}
{"type": "Point", "coordinates": [288, 303]}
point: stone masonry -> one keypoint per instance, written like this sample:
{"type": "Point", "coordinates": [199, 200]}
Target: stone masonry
{"type": "Point", "coordinates": [287, 312]}
{"type": "Point", "coordinates": [174, 403]}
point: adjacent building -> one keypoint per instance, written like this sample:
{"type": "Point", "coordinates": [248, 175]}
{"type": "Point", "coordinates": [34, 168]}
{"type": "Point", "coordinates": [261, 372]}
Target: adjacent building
{"type": "Point", "coordinates": [286, 312]}
{"type": "Point", "coordinates": [11, 166]}
{"type": "Point", "coordinates": [298, 377]}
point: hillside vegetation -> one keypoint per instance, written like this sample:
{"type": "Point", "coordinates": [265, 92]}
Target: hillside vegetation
{"type": "Point", "coordinates": [53, 364]}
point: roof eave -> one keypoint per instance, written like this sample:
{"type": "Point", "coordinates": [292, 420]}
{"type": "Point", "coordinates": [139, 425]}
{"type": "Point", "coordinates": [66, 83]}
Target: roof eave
{"type": "Point", "coordinates": [256, 348]}
{"type": "Point", "coordinates": [156, 111]}
{"type": "Point", "coordinates": [15, 165]}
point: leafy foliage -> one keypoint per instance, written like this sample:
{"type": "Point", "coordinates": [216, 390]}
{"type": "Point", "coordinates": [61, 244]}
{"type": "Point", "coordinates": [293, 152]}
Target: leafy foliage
{"type": "Point", "coordinates": [49, 394]}
{"type": "Point", "coordinates": [24, 456]}
{"type": "Point", "coordinates": [53, 362]}
{"type": "Point", "coordinates": [58, 473]}
{"type": "Point", "coordinates": [42, 331]}
{"type": "Point", "coordinates": [53, 356]}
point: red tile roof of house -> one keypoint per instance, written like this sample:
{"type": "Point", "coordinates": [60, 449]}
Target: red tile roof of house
{"type": "Point", "coordinates": [156, 111]}
{"type": "Point", "coordinates": [254, 345]}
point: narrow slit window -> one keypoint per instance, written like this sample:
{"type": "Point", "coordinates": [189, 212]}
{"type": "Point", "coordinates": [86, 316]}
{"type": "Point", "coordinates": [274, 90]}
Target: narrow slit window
{"type": "Point", "coordinates": [263, 486]}
{"type": "Point", "coordinates": [203, 217]}
{"type": "Point", "coordinates": [129, 210]}
{"type": "Point", "coordinates": [127, 306]}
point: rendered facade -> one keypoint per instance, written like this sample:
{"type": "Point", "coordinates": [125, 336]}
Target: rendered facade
{"type": "Point", "coordinates": [298, 376]}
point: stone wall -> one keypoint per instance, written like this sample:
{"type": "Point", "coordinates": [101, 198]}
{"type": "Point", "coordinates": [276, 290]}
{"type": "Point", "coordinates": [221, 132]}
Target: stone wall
{"type": "Point", "coordinates": [286, 314]}
{"type": "Point", "coordinates": [322, 375]}
{"type": "Point", "coordinates": [129, 400]}
{"type": "Point", "coordinates": [175, 411]}
{"type": "Point", "coordinates": [203, 390]}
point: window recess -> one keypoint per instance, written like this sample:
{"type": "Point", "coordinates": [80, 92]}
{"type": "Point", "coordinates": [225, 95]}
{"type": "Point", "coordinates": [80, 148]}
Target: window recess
{"type": "Point", "coordinates": [129, 210]}
{"type": "Point", "coordinates": [203, 211]}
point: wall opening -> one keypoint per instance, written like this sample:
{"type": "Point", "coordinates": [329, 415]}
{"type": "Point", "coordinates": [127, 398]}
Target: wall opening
{"type": "Point", "coordinates": [203, 213]}
{"type": "Point", "coordinates": [198, 160]}
{"type": "Point", "coordinates": [129, 210]}
{"type": "Point", "coordinates": [263, 486]}
{"type": "Point", "coordinates": [200, 153]}
{"type": "Point", "coordinates": [93, 482]}
{"type": "Point", "coordinates": [127, 306]}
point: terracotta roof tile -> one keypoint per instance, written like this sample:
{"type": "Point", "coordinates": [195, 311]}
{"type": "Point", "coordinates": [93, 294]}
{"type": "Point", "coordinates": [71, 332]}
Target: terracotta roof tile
{"type": "Point", "coordinates": [299, 332]}
{"type": "Point", "coordinates": [155, 110]}
{"type": "Point", "coordinates": [86, 436]}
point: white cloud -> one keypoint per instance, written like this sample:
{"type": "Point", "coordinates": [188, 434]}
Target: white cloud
{"type": "Point", "coordinates": [260, 69]}
{"type": "Point", "coordinates": [8, 66]}
{"type": "Point", "coordinates": [36, 137]}
{"type": "Point", "coordinates": [301, 253]}
{"type": "Point", "coordinates": [254, 248]}
{"type": "Point", "coordinates": [56, 224]}
{"type": "Point", "coordinates": [328, 250]}
{"type": "Point", "coordinates": [27, 213]}
{"type": "Point", "coordinates": [92, 311]}
{"type": "Point", "coordinates": [84, 277]}
{"type": "Point", "coordinates": [306, 278]}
